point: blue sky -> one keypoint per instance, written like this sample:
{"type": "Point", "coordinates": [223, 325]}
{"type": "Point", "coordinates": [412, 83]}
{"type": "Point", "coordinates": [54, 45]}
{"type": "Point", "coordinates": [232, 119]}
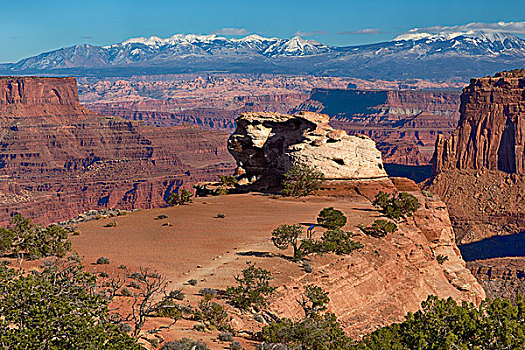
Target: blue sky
{"type": "Point", "coordinates": [29, 27]}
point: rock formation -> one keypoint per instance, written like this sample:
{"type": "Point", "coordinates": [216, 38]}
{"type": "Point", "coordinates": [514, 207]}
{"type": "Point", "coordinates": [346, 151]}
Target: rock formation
{"type": "Point", "coordinates": [403, 123]}
{"type": "Point", "coordinates": [59, 159]}
{"type": "Point", "coordinates": [479, 171]}
{"type": "Point", "coordinates": [265, 145]}
{"type": "Point", "coordinates": [491, 128]}
{"type": "Point", "coordinates": [391, 275]}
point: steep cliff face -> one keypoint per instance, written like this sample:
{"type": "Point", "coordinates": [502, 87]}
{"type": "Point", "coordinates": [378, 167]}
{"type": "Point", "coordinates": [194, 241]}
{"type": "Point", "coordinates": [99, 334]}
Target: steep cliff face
{"type": "Point", "coordinates": [59, 159]}
{"type": "Point", "coordinates": [479, 171]}
{"type": "Point", "coordinates": [265, 145]}
{"type": "Point", "coordinates": [491, 128]}
{"type": "Point", "coordinates": [390, 276]}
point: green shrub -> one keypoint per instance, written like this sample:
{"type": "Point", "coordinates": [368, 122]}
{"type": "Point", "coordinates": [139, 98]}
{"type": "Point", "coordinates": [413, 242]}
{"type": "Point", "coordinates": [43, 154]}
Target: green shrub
{"type": "Point", "coordinates": [253, 288]}
{"type": "Point", "coordinates": [396, 207]}
{"type": "Point", "coordinates": [338, 242]}
{"type": "Point", "coordinates": [441, 259]}
{"type": "Point", "coordinates": [228, 180]}
{"type": "Point", "coordinates": [57, 308]}
{"type": "Point", "coordinates": [192, 282]}
{"type": "Point", "coordinates": [235, 345]}
{"type": "Point", "coordinates": [183, 197]}
{"type": "Point", "coordinates": [288, 235]}
{"type": "Point", "coordinates": [379, 228]}
{"type": "Point", "coordinates": [220, 216]}
{"type": "Point", "coordinates": [331, 218]}
{"type": "Point", "coordinates": [314, 331]}
{"type": "Point", "coordinates": [213, 314]}
{"type": "Point", "coordinates": [103, 261]}
{"type": "Point", "coordinates": [112, 223]}
{"type": "Point", "coordinates": [23, 237]}
{"type": "Point", "coordinates": [225, 336]}
{"type": "Point", "coordinates": [301, 180]}
{"type": "Point", "coordinates": [443, 324]}
{"type": "Point", "coordinates": [161, 217]}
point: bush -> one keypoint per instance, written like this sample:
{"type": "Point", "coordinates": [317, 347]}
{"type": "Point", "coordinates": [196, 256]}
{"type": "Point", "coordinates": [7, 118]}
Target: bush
{"type": "Point", "coordinates": [177, 294]}
{"type": "Point", "coordinates": [212, 313]}
{"type": "Point", "coordinates": [338, 242]}
{"type": "Point", "coordinates": [161, 217]}
{"type": "Point", "coordinates": [25, 238]}
{"type": "Point", "coordinates": [103, 261]}
{"type": "Point", "coordinates": [331, 218]}
{"type": "Point", "coordinates": [253, 288]}
{"type": "Point", "coordinates": [235, 345]}
{"type": "Point", "coordinates": [379, 228]}
{"type": "Point", "coordinates": [398, 207]}
{"type": "Point", "coordinates": [225, 336]}
{"type": "Point", "coordinates": [57, 308]}
{"type": "Point", "coordinates": [192, 282]}
{"type": "Point", "coordinates": [112, 223]}
{"type": "Point", "coordinates": [301, 180]}
{"type": "Point", "coordinates": [228, 180]}
{"type": "Point", "coordinates": [220, 216]}
{"type": "Point", "coordinates": [443, 324]}
{"type": "Point", "coordinates": [184, 344]}
{"type": "Point", "coordinates": [441, 259]}
{"type": "Point", "coordinates": [285, 235]}
{"type": "Point", "coordinates": [211, 292]}
{"type": "Point", "coordinates": [183, 197]}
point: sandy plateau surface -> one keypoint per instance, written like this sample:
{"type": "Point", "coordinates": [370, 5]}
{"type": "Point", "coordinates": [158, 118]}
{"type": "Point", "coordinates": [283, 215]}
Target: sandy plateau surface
{"type": "Point", "coordinates": [209, 249]}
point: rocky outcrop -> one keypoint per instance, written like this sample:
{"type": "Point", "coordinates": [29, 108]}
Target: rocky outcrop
{"type": "Point", "coordinates": [391, 275]}
{"type": "Point", "coordinates": [59, 159]}
{"type": "Point", "coordinates": [479, 171]}
{"type": "Point", "coordinates": [265, 145]}
{"type": "Point", "coordinates": [491, 128]}
{"type": "Point", "coordinates": [404, 123]}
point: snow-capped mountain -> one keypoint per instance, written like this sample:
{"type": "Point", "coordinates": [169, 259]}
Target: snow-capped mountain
{"type": "Point", "coordinates": [411, 55]}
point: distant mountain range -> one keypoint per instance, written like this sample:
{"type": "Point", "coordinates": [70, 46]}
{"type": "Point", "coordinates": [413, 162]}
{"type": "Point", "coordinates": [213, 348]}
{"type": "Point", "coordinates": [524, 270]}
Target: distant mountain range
{"type": "Point", "coordinates": [433, 56]}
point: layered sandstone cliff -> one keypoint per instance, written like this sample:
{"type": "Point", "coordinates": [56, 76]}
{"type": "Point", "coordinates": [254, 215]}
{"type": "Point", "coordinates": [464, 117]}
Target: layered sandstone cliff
{"type": "Point", "coordinates": [59, 159]}
{"type": "Point", "coordinates": [265, 145]}
{"type": "Point", "coordinates": [479, 171]}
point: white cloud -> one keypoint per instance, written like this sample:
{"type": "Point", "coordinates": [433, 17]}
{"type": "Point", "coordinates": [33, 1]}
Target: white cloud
{"type": "Point", "coordinates": [506, 27]}
{"type": "Point", "coordinates": [231, 31]}
{"type": "Point", "coordinates": [369, 31]}
{"type": "Point", "coordinates": [315, 32]}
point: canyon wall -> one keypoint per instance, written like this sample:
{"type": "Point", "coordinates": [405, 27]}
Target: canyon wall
{"type": "Point", "coordinates": [491, 128]}
{"type": "Point", "coordinates": [404, 123]}
{"type": "Point", "coordinates": [479, 170]}
{"type": "Point", "coordinates": [59, 159]}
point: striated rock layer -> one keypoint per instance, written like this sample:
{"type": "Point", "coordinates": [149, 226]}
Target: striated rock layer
{"type": "Point", "coordinates": [479, 171]}
{"type": "Point", "coordinates": [59, 159]}
{"type": "Point", "coordinates": [392, 275]}
{"type": "Point", "coordinates": [266, 145]}
{"type": "Point", "coordinates": [403, 123]}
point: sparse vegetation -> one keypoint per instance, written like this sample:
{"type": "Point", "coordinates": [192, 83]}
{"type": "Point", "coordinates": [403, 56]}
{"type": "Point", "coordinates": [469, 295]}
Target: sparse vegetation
{"type": "Point", "coordinates": [441, 259]}
{"type": "Point", "coordinates": [379, 228]}
{"type": "Point", "coordinates": [103, 261]}
{"type": "Point", "coordinates": [337, 241]}
{"type": "Point", "coordinates": [24, 238]}
{"type": "Point", "coordinates": [396, 207]}
{"type": "Point", "coordinates": [212, 314]}
{"type": "Point", "coordinates": [301, 180]}
{"type": "Point", "coordinates": [192, 282]}
{"type": "Point", "coordinates": [443, 324]}
{"type": "Point", "coordinates": [235, 345]}
{"type": "Point", "coordinates": [228, 180]}
{"type": "Point", "coordinates": [253, 288]}
{"type": "Point", "coordinates": [220, 216]}
{"type": "Point", "coordinates": [331, 218]}
{"type": "Point", "coordinates": [161, 217]}
{"type": "Point", "coordinates": [112, 223]}
{"type": "Point", "coordinates": [288, 235]}
{"type": "Point", "coordinates": [182, 197]}
{"type": "Point", "coordinates": [314, 331]}
{"type": "Point", "coordinates": [225, 336]}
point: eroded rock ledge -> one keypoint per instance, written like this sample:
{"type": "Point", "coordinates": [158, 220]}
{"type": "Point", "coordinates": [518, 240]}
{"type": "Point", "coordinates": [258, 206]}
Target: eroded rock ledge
{"type": "Point", "coordinates": [265, 145]}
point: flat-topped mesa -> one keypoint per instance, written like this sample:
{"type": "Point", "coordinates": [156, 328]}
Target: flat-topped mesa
{"type": "Point", "coordinates": [38, 91]}
{"type": "Point", "coordinates": [265, 145]}
{"type": "Point", "coordinates": [491, 131]}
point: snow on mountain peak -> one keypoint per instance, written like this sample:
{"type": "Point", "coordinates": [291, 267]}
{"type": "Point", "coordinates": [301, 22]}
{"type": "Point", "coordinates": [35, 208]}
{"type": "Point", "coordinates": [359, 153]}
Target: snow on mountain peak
{"type": "Point", "coordinates": [445, 36]}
